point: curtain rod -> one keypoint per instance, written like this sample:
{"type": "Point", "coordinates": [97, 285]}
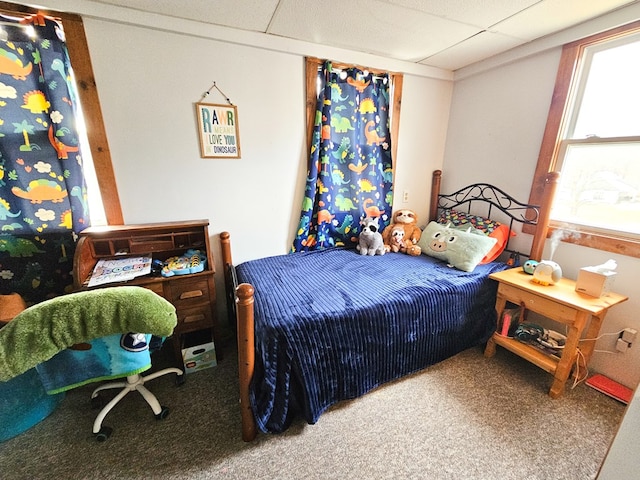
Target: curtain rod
{"type": "Point", "coordinates": [373, 75]}
{"type": "Point", "coordinates": [11, 24]}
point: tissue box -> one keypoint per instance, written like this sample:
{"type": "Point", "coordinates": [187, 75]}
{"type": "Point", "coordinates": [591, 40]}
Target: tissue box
{"type": "Point", "coordinates": [595, 284]}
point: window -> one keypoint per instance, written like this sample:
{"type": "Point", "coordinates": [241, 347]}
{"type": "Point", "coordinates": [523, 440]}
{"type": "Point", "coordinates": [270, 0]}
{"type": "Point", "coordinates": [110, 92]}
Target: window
{"type": "Point", "coordinates": [96, 133]}
{"type": "Point", "coordinates": [593, 139]}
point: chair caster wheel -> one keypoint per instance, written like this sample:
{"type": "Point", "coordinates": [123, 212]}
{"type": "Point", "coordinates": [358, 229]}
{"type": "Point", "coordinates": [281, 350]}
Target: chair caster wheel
{"type": "Point", "coordinates": [164, 413]}
{"type": "Point", "coordinates": [180, 379]}
{"type": "Point", "coordinates": [104, 433]}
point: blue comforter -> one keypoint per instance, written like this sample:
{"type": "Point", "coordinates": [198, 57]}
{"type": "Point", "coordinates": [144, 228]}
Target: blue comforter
{"type": "Point", "coordinates": [331, 325]}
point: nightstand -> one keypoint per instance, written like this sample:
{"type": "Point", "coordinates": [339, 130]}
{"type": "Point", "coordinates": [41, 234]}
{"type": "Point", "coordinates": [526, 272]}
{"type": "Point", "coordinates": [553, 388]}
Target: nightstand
{"type": "Point", "coordinates": [581, 314]}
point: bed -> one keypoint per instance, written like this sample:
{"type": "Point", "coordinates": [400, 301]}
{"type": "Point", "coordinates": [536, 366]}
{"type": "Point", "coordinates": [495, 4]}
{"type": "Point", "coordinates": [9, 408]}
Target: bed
{"type": "Point", "coordinates": [316, 328]}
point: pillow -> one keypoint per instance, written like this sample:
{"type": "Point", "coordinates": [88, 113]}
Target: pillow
{"type": "Point", "coordinates": [481, 225]}
{"type": "Point", "coordinates": [501, 234]}
{"type": "Point", "coordinates": [456, 218]}
{"type": "Point", "coordinates": [461, 249]}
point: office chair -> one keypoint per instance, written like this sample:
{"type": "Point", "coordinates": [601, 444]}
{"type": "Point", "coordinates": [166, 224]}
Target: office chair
{"type": "Point", "coordinates": [91, 336]}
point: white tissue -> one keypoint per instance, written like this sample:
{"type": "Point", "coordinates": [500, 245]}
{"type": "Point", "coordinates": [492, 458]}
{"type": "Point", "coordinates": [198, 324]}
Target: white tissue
{"type": "Point", "coordinates": [606, 268]}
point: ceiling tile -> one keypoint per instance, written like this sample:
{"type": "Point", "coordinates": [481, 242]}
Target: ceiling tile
{"type": "Point", "coordinates": [484, 13]}
{"type": "Point", "coordinates": [253, 15]}
{"type": "Point", "coordinates": [550, 16]}
{"type": "Point", "coordinates": [385, 30]}
{"type": "Point", "coordinates": [479, 47]}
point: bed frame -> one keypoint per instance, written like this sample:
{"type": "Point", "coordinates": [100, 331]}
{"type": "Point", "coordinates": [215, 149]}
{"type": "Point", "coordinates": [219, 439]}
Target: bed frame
{"type": "Point", "coordinates": [240, 297]}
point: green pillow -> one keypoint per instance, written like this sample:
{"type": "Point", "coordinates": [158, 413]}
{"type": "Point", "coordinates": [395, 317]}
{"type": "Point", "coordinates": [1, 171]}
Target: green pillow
{"type": "Point", "coordinates": [461, 249]}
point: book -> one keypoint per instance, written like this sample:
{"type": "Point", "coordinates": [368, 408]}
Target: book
{"type": "Point", "coordinates": [610, 387]}
{"type": "Point", "coordinates": [119, 270]}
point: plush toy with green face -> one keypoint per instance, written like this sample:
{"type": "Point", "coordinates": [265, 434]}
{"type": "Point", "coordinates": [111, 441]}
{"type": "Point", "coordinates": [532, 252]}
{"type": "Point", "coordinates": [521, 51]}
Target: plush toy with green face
{"type": "Point", "coordinates": [461, 249]}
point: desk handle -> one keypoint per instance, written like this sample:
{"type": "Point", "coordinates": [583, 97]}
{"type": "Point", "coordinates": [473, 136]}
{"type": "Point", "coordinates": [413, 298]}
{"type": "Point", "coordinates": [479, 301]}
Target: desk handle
{"type": "Point", "coordinates": [193, 318]}
{"type": "Point", "coordinates": [191, 294]}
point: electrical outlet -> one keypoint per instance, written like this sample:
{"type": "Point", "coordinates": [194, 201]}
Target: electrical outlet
{"type": "Point", "coordinates": [405, 196]}
{"type": "Point", "coordinates": [621, 345]}
{"type": "Point", "coordinates": [629, 335]}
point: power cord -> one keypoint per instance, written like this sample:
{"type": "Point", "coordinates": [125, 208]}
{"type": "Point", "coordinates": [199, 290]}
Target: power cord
{"type": "Point", "coordinates": [599, 337]}
{"type": "Point", "coordinates": [580, 355]}
{"type": "Point", "coordinates": [577, 381]}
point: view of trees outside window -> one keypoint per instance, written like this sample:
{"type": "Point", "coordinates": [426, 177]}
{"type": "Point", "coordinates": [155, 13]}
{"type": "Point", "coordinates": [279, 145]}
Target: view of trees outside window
{"type": "Point", "coordinates": [599, 158]}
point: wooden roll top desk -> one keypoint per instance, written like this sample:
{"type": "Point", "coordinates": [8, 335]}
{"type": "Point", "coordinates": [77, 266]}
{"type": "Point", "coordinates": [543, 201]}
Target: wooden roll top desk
{"type": "Point", "coordinates": [193, 295]}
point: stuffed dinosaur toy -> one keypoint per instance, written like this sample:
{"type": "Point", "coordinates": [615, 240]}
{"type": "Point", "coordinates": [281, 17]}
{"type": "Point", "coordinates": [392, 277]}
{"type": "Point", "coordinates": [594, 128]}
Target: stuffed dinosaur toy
{"type": "Point", "coordinates": [370, 239]}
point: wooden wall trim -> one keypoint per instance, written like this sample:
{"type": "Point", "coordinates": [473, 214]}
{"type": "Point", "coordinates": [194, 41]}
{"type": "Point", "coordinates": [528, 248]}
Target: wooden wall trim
{"type": "Point", "coordinates": [96, 132]}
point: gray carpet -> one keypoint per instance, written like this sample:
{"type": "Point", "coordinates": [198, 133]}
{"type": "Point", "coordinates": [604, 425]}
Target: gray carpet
{"type": "Point", "coordinates": [465, 418]}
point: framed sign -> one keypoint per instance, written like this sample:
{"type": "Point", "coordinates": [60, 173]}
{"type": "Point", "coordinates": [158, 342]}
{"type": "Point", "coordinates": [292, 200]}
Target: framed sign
{"type": "Point", "coordinates": [218, 130]}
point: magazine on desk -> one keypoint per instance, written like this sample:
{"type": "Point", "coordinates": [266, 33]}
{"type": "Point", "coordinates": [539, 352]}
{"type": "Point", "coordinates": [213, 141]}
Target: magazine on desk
{"type": "Point", "coordinates": [119, 270]}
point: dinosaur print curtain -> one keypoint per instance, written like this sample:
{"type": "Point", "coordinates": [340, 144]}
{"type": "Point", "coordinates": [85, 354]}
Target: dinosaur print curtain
{"type": "Point", "coordinates": [42, 187]}
{"type": "Point", "coordinates": [350, 169]}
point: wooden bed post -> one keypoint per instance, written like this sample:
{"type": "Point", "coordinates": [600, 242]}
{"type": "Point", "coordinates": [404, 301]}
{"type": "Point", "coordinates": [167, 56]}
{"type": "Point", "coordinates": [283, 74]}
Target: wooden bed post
{"type": "Point", "coordinates": [242, 296]}
{"type": "Point", "coordinates": [436, 177]}
{"type": "Point", "coordinates": [246, 357]}
{"type": "Point", "coordinates": [542, 227]}
{"type": "Point", "coordinates": [225, 245]}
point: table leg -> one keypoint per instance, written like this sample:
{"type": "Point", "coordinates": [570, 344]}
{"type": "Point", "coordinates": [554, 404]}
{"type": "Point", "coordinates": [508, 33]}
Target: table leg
{"type": "Point", "coordinates": [593, 331]}
{"type": "Point", "coordinates": [569, 354]}
{"type": "Point", "coordinates": [490, 349]}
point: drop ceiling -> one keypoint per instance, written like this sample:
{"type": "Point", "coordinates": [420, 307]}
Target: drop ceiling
{"type": "Point", "coordinates": [448, 34]}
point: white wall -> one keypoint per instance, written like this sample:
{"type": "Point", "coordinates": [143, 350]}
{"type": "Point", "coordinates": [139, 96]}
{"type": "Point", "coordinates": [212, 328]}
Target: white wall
{"type": "Point", "coordinates": [497, 121]}
{"type": "Point", "coordinates": [622, 460]}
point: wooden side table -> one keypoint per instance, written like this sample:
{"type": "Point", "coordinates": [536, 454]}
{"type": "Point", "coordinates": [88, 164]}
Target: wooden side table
{"type": "Point", "coordinates": [582, 314]}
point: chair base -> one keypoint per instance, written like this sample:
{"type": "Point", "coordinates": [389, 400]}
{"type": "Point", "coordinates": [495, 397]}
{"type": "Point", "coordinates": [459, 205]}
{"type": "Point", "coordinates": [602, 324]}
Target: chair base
{"type": "Point", "coordinates": [133, 382]}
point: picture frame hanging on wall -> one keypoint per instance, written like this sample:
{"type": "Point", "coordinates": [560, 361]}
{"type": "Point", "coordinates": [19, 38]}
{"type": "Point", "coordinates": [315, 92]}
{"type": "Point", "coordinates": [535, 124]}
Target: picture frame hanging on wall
{"type": "Point", "coordinates": [218, 130]}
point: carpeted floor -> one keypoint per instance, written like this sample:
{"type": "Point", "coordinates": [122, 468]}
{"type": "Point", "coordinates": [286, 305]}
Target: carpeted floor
{"type": "Point", "coordinates": [465, 418]}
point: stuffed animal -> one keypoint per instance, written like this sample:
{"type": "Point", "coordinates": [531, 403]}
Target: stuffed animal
{"type": "Point", "coordinates": [396, 242]}
{"type": "Point", "coordinates": [408, 220]}
{"type": "Point", "coordinates": [370, 239]}
{"type": "Point", "coordinates": [529, 266]}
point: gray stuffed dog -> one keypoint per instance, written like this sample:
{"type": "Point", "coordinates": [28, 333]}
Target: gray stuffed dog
{"type": "Point", "coordinates": [370, 239]}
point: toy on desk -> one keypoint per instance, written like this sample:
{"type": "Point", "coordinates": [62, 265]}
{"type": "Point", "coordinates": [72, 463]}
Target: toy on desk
{"type": "Point", "coordinates": [547, 273]}
{"type": "Point", "coordinates": [156, 267]}
{"type": "Point", "coordinates": [529, 266]}
{"type": "Point", "coordinates": [193, 261]}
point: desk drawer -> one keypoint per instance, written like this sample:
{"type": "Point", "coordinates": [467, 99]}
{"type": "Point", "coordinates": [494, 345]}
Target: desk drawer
{"type": "Point", "coordinates": [155, 287]}
{"type": "Point", "coordinates": [536, 303]}
{"type": "Point", "coordinates": [186, 292]}
{"type": "Point", "coordinates": [199, 316]}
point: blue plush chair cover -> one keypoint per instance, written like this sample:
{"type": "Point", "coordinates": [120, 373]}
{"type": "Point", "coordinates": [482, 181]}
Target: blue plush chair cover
{"type": "Point", "coordinates": [24, 403]}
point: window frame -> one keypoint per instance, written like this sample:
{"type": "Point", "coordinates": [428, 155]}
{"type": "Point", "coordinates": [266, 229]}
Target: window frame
{"type": "Point", "coordinates": [571, 62]}
{"type": "Point", "coordinates": [90, 103]}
